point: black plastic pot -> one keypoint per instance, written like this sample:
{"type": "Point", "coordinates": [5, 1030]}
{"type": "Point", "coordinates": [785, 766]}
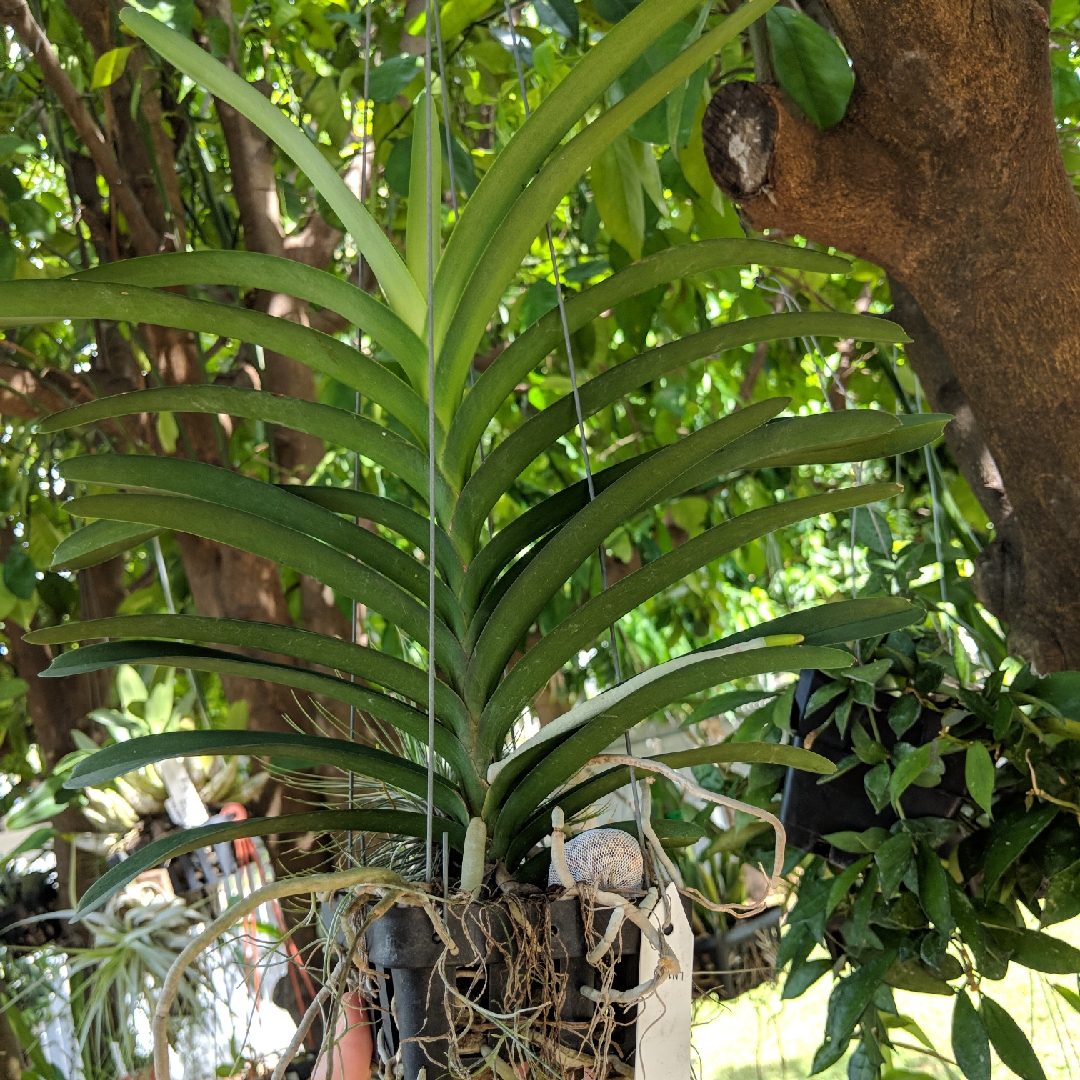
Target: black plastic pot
{"type": "Point", "coordinates": [810, 810]}
{"type": "Point", "coordinates": [403, 943]}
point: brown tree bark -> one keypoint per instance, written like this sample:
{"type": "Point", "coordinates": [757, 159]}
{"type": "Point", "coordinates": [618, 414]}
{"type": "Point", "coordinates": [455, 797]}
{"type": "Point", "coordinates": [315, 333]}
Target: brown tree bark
{"type": "Point", "coordinates": [946, 172]}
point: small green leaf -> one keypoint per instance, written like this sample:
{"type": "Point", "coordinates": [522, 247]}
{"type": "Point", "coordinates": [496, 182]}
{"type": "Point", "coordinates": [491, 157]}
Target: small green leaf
{"type": "Point", "coordinates": [1071, 996]}
{"type": "Point", "coordinates": [868, 673]}
{"type": "Point", "coordinates": [865, 1061]}
{"type": "Point", "coordinates": [893, 859]}
{"type": "Point", "coordinates": [916, 977]}
{"type": "Point", "coordinates": [109, 67]}
{"type": "Point", "coordinates": [903, 713]}
{"type": "Point", "coordinates": [19, 573]}
{"type": "Point", "coordinates": [876, 783]}
{"type": "Point", "coordinates": [810, 66]}
{"type": "Point", "coordinates": [620, 198]}
{"type": "Point", "coordinates": [823, 695]}
{"type": "Point", "coordinates": [1010, 1042]}
{"type": "Point", "coordinates": [970, 1043]}
{"type": "Point", "coordinates": [934, 889]}
{"type": "Point", "coordinates": [907, 770]}
{"type": "Point", "coordinates": [1040, 952]}
{"type": "Point", "coordinates": [1063, 896]}
{"type": "Point", "coordinates": [843, 714]}
{"type": "Point", "coordinates": [1010, 837]}
{"type": "Point", "coordinates": [848, 999]}
{"type": "Point", "coordinates": [389, 78]}
{"type": "Point", "coordinates": [802, 976]}
{"type": "Point", "coordinates": [979, 775]}
{"type": "Point", "coordinates": [967, 922]}
{"type": "Point", "coordinates": [843, 882]}
{"type": "Point", "coordinates": [857, 843]}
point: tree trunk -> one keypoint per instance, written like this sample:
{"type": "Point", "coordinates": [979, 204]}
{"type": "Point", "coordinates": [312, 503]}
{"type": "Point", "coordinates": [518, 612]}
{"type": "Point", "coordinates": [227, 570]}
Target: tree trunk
{"type": "Point", "coordinates": [946, 171]}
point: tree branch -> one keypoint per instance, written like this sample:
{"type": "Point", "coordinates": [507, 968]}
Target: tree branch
{"type": "Point", "coordinates": [16, 14]}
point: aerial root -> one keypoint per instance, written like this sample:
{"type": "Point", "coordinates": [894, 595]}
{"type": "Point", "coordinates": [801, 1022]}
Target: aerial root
{"type": "Point", "coordinates": [690, 788]}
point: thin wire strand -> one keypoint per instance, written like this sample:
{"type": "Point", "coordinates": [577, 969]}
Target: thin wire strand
{"type": "Point", "coordinates": [170, 606]}
{"type": "Point", "coordinates": [354, 630]}
{"type": "Point", "coordinates": [446, 112]}
{"type": "Point", "coordinates": [582, 440]}
{"type": "Point", "coordinates": [429, 169]}
{"type": "Point", "coordinates": [932, 474]}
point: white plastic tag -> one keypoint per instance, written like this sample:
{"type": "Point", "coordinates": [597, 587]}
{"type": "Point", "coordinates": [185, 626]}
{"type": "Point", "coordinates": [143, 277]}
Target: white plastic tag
{"type": "Point", "coordinates": [663, 1025]}
{"type": "Point", "coordinates": [183, 805]}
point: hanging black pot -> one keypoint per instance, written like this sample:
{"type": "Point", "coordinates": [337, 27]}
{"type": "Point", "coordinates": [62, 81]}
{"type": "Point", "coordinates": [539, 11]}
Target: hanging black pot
{"type": "Point", "coordinates": [811, 810]}
{"type": "Point", "coordinates": [404, 944]}
{"type": "Point", "coordinates": [731, 962]}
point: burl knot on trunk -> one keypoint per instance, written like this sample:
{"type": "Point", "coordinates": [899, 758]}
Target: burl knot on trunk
{"type": "Point", "coordinates": [946, 171]}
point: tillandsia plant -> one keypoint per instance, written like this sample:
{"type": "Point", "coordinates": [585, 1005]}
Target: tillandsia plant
{"type": "Point", "coordinates": [476, 594]}
{"type": "Point", "coordinates": [939, 896]}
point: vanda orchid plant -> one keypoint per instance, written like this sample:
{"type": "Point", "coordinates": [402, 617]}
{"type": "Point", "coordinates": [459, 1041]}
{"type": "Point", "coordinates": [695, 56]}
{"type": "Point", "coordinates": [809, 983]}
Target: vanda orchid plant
{"type": "Point", "coordinates": [494, 801]}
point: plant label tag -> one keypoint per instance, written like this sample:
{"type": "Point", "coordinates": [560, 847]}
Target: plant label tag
{"type": "Point", "coordinates": [183, 805]}
{"type": "Point", "coordinates": [663, 1024]}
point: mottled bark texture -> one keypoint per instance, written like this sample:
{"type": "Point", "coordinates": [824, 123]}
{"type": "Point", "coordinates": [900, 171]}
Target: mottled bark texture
{"type": "Point", "coordinates": [946, 172]}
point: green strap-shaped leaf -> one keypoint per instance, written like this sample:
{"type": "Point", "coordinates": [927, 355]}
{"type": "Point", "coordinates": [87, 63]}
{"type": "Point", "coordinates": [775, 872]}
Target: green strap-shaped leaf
{"type": "Point", "coordinates": [824, 624]}
{"type": "Point", "coordinates": [517, 163]}
{"type": "Point", "coordinates": [234, 491]}
{"type": "Point", "coordinates": [338, 426]}
{"type": "Point", "coordinates": [585, 624]}
{"type": "Point", "coordinates": [835, 436]}
{"type": "Point", "coordinates": [831, 624]}
{"type": "Point", "coordinates": [913, 430]}
{"type": "Point", "coordinates": [97, 543]}
{"type": "Point", "coordinates": [507, 248]}
{"type": "Point", "coordinates": [394, 822]}
{"type": "Point", "coordinates": [528, 349]}
{"type": "Point", "coordinates": [177, 654]}
{"type": "Point", "coordinates": [362, 661]}
{"type": "Point", "coordinates": [515, 453]}
{"type": "Point", "coordinates": [253, 270]}
{"type": "Point", "coordinates": [494, 557]}
{"type": "Point", "coordinates": [578, 539]}
{"type": "Point", "coordinates": [495, 594]}
{"type": "Point", "coordinates": [392, 769]}
{"type": "Point", "coordinates": [618, 710]}
{"type": "Point", "coordinates": [284, 546]}
{"type": "Point", "coordinates": [596, 788]}
{"type": "Point", "coordinates": [49, 301]}
{"type": "Point", "coordinates": [400, 519]}
{"type": "Point", "coordinates": [227, 86]}
{"type": "Point", "coordinates": [420, 244]}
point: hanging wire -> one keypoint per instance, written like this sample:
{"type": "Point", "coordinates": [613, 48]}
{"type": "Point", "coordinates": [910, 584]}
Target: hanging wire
{"type": "Point", "coordinates": [638, 820]}
{"type": "Point", "coordinates": [429, 169]}
{"type": "Point", "coordinates": [897, 410]}
{"type": "Point", "coordinates": [170, 606]}
{"type": "Point", "coordinates": [932, 474]}
{"type": "Point", "coordinates": [446, 112]}
{"type": "Point", "coordinates": [355, 626]}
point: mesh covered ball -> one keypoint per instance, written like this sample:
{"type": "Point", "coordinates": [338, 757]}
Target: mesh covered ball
{"type": "Point", "coordinates": [606, 858]}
